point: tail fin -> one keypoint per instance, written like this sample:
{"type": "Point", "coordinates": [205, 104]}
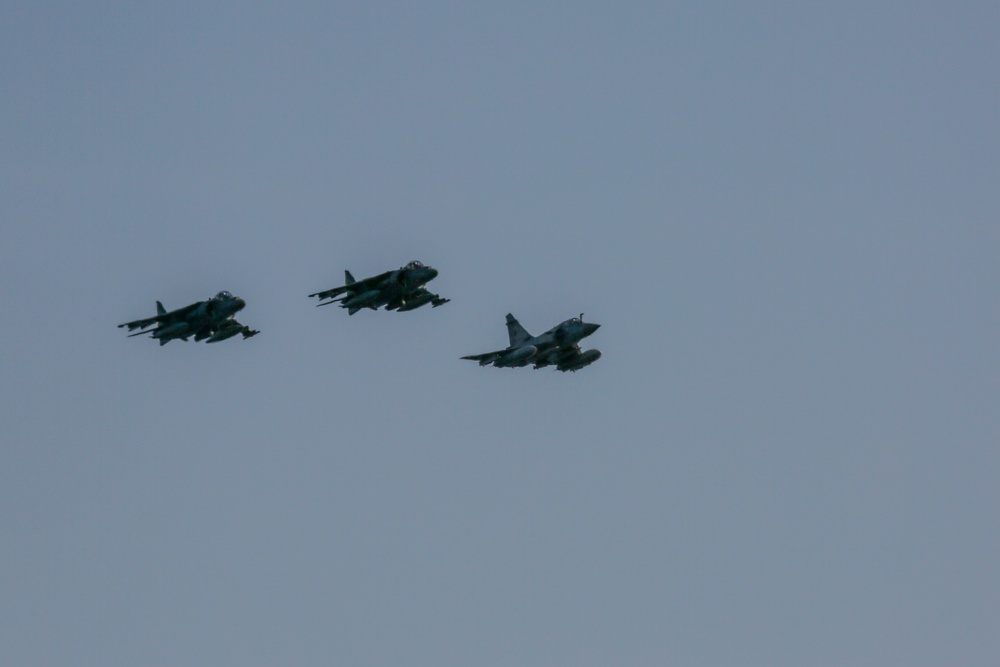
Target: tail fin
{"type": "Point", "coordinates": [160, 310]}
{"type": "Point", "coordinates": [518, 336]}
{"type": "Point", "coordinates": [348, 278]}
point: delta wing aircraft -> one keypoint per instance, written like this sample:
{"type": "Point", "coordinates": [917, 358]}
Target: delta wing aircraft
{"type": "Point", "coordinates": [399, 290]}
{"type": "Point", "coordinates": [213, 319]}
{"type": "Point", "coordinates": [557, 346]}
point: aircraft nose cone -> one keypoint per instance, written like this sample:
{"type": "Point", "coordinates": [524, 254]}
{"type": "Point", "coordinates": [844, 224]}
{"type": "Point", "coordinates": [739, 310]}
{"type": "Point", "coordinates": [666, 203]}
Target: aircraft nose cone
{"type": "Point", "coordinates": [431, 273]}
{"type": "Point", "coordinates": [590, 328]}
{"type": "Point", "coordinates": [240, 303]}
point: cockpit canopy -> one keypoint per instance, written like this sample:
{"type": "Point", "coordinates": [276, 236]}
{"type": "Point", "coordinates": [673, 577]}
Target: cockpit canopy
{"type": "Point", "coordinates": [415, 264]}
{"type": "Point", "coordinates": [224, 295]}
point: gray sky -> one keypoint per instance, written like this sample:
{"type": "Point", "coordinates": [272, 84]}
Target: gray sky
{"type": "Point", "coordinates": [784, 215]}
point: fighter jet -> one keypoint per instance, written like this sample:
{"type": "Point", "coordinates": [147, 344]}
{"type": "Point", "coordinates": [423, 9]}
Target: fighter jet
{"type": "Point", "coordinates": [557, 346]}
{"type": "Point", "coordinates": [399, 290]}
{"type": "Point", "coordinates": [213, 319]}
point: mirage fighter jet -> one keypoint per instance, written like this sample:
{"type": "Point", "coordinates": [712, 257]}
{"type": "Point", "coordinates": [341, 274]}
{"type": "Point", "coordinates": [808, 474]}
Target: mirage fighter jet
{"type": "Point", "coordinates": [213, 319]}
{"type": "Point", "coordinates": [557, 346]}
{"type": "Point", "coordinates": [399, 290]}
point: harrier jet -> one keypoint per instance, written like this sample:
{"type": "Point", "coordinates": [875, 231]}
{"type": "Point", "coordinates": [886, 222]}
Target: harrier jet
{"type": "Point", "coordinates": [402, 289]}
{"type": "Point", "coordinates": [557, 346]}
{"type": "Point", "coordinates": [212, 319]}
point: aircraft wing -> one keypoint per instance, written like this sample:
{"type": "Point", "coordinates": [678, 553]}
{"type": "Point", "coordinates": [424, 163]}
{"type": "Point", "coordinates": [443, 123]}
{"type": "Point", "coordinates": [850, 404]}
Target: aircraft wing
{"type": "Point", "coordinates": [166, 318]}
{"type": "Point", "coordinates": [326, 294]}
{"type": "Point", "coordinates": [244, 329]}
{"type": "Point", "coordinates": [424, 295]}
{"type": "Point", "coordinates": [223, 330]}
{"type": "Point", "coordinates": [357, 287]}
{"type": "Point", "coordinates": [402, 299]}
{"type": "Point", "coordinates": [140, 324]}
{"type": "Point", "coordinates": [232, 327]}
{"type": "Point", "coordinates": [486, 358]}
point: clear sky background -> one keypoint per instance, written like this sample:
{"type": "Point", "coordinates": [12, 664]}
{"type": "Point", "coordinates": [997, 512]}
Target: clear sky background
{"type": "Point", "coordinates": [784, 215]}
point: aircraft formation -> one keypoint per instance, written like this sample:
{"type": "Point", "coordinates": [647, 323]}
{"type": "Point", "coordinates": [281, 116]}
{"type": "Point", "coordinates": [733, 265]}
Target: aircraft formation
{"type": "Point", "coordinates": [403, 289]}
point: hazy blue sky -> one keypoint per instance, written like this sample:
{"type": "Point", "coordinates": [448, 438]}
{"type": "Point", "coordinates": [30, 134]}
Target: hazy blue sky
{"type": "Point", "coordinates": [784, 215]}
